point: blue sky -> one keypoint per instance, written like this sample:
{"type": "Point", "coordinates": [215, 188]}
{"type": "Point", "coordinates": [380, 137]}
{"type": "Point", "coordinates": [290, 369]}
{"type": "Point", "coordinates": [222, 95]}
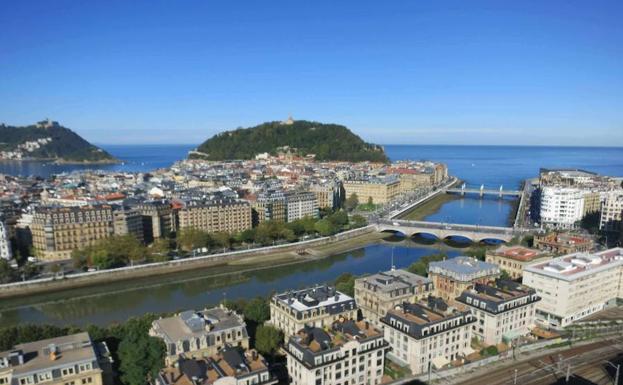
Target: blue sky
{"type": "Point", "coordinates": [422, 72]}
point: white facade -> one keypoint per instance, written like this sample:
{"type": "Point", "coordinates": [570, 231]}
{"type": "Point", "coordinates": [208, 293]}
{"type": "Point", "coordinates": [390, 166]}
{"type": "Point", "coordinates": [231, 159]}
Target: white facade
{"type": "Point", "coordinates": [301, 205]}
{"type": "Point", "coordinates": [5, 243]}
{"type": "Point", "coordinates": [562, 207]}
{"type": "Point", "coordinates": [576, 285]}
{"type": "Point", "coordinates": [612, 211]}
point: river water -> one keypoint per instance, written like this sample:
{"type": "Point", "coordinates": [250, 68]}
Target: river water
{"type": "Point", "coordinates": [476, 165]}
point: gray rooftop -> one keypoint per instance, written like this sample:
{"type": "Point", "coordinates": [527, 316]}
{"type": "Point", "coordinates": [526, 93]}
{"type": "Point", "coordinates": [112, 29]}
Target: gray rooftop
{"type": "Point", "coordinates": [395, 279]}
{"type": "Point", "coordinates": [464, 267]}
{"type": "Point", "coordinates": [191, 324]}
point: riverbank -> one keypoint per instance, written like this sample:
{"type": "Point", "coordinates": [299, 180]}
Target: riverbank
{"type": "Point", "coordinates": [429, 207]}
{"type": "Point", "coordinates": [212, 265]}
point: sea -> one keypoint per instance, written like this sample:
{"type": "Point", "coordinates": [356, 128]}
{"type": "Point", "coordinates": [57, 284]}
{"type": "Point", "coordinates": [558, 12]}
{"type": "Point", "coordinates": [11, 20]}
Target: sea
{"type": "Point", "coordinates": [492, 166]}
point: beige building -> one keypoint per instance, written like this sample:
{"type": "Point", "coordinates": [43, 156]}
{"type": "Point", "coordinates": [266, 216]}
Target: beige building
{"type": "Point", "coordinates": [194, 335]}
{"type": "Point", "coordinates": [229, 216]}
{"type": "Point", "coordinates": [612, 212]}
{"type": "Point", "coordinates": [317, 306]}
{"type": "Point", "coordinates": [69, 360]}
{"type": "Point", "coordinates": [380, 190]}
{"type": "Point", "coordinates": [300, 205]}
{"type": "Point", "coordinates": [563, 243]}
{"type": "Point", "coordinates": [232, 365]}
{"type": "Point", "coordinates": [378, 293]}
{"type": "Point", "coordinates": [576, 285]}
{"type": "Point", "coordinates": [327, 194]}
{"type": "Point", "coordinates": [269, 206]}
{"type": "Point", "coordinates": [158, 219]}
{"type": "Point", "coordinates": [455, 275]}
{"type": "Point", "coordinates": [128, 221]}
{"type": "Point", "coordinates": [343, 353]}
{"type": "Point", "coordinates": [427, 334]}
{"type": "Point", "coordinates": [513, 259]}
{"type": "Point", "coordinates": [504, 311]}
{"type": "Point", "coordinates": [57, 231]}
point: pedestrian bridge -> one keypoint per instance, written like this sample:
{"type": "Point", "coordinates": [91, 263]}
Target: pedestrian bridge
{"type": "Point", "coordinates": [474, 233]}
{"type": "Point", "coordinates": [482, 191]}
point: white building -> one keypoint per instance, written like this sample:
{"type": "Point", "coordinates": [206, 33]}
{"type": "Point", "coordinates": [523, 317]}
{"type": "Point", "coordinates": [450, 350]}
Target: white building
{"type": "Point", "coordinates": [576, 285]}
{"type": "Point", "coordinates": [612, 211]}
{"type": "Point", "coordinates": [301, 205]}
{"type": "Point", "coordinates": [503, 311]}
{"type": "Point", "coordinates": [317, 306]}
{"type": "Point", "coordinates": [5, 242]}
{"type": "Point", "coordinates": [346, 353]}
{"type": "Point", "coordinates": [562, 207]}
{"type": "Point", "coordinates": [428, 334]}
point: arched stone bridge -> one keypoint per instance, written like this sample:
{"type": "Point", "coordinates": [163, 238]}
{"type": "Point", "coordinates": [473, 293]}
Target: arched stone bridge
{"type": "Point", "coordinates": [474, 233]}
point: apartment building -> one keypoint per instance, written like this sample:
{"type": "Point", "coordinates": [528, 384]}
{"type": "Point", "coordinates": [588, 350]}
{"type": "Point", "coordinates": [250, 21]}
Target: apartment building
{"type": "Point", "coordinates": [504, 311]}
{"type": "Point", "coordinates": [612, 212]}
{"type": "Point", "coordinates": [5, 242]}
{"type": "Point", "coordinates": [68, 360]}
{"type": "Point", "coordinates": [343, 353]}
{"type": "Point", "coordinates": [232, 365]}
{"type": "Point", "coordinates": [453, 276]}
{"type": "Point", "coordinates": [427, 334]}
{"type": "Point", "coordinates": [327, 194]}
{"type": "Point", "coordinates": [193, 335]}
{"type": "Point", "coordinates": [562, 207]}
{"type": "Point", "coordinates": [270, 205]}
{"type": "Point", "coordinates": [576, 285]}
{"type": "Point", "coordinates": [158, 219]}
{"type": "Point", "coordinates": [376, 294]}
{"type": "Point", "coordinates": [213, 216]}
{"type": "Point", "coordinates": [317, 306]}
{"type": "Point", "coordinates": [301, 204]}
{"type": "Point", "coordinates": [378, 189]}
{"type": "Point", "coordinates": [563, 243]}
{"type": "Point", "coordinates": [128, 221]}
{"type": "Point", "coordinates": [56, 231]}
{"type": "Point", "coordinates": [513, 259]}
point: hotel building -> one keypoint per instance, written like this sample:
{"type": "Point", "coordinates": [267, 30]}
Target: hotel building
{"type": "Point", "coordinates": [453, 276]}
{"type": "Point", "coordinates": [213, 216]}
{"type": "Point", "coordinates": [378, 189]}
{"type": "Point", "coordinates": [513, 259]}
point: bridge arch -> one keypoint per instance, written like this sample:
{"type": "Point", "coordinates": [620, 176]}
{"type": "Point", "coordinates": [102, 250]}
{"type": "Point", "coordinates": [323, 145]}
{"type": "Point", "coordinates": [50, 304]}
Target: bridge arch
{"type": "Point", "coordinates": [394, 232]}
{"type": "Point", "coordinates": [426, 235]}
{"type": "Point", "coordinates": [460, 238]}
{"type": "Point", "coordinates": [492, 241]}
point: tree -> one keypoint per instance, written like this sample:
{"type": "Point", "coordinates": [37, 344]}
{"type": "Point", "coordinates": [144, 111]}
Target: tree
{"type": "Point", "coordinates": [476, 252]}
{"type": "Point", "coordinates": [358, 221]}
{"type": "Point", "coordinates": [351, 202]}
{"type": "Point", "coordinates": [370, 201]}
{"type": "Point", "coordinates": [590, 222]}
{"type": "Point", "coordinates": [222, 240]}
{"type": "Point", "coordinates": [421, 266]}
{"type": "Point", "coordinates": [267, 339]}
{"type": "Point", "coordinates": [505, 275]}
{"type": "Point", "coordinates": [345, 283]}
{"type": "Point", "coordinates": [7, 273]}
{"type": "Point", "coordinates": [339, 219]}
{"type": "Point", "coordinates": [257, 310]}
{"type": "Point", "coordinates": [324, 227]}
{"type": "Point", "coordinates": [190, 239]}
{"type": "Point", "coordinates": [140, 355]}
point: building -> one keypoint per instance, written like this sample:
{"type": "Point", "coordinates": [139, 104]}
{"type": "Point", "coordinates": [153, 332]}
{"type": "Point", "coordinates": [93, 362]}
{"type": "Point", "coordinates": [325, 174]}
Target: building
{"type": "Point", "coordinates": [128, 221]}
{"type": "Point", "coordinates": [563, 243]}
{"type": "Point", "coordinates": [5, 242]}
{"type": "Point", "coordinates": [327, 194]}
{"type": "Point", "coordinates": [513, 259]}
{"type": "Point", "coordinates": [301, 205]}
{"type": "Point", "coordinates": [612, 212]}
{"type": "Point", "coordinates": [223, 215]}
{"type": "Point", "coordinates": [427, 333]}
{"type": "Point", "coordinates": [194, 335]}
{"type": "Point", "coordinates": [378, 293]}
{"type": "Point", "coordinates": [455, 275]}
{"type": "Point", "coordinates": [57, 231]}
{"type": "Point", "coordinates": [503, 311]}
{"type": "Point", "coordinates": [317, 306]}
{"type": "Point", "coordinates": [158, 219]}
{"type": "Point", "coordinates": [68, 360]}
{"type": "Point", "coordinates": [343, 353]}
{"type": "Point", "coordinates": [562, 207]}
{"type": "Point", "coordinates": [379, 190]}
{"type": "Point", "coordinates": [232, 365]}
{"type": "Point", "coordinates": [270, 205]}
{"type": "Point", "coordinates": [576, 285]}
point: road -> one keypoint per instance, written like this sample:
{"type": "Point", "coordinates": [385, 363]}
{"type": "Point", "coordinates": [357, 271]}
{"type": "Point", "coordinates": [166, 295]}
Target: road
{"type": "Point", "coordinates": [585, 365]}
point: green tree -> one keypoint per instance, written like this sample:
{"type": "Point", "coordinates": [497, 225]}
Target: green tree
{"type": "Point", "coordinates": [590, 222]}
{"type": "Point", "coordinates": [268, 339]}
{"type": "Point", "coordinates": [358, 221]}
{"type": "Point", "coordinates": [505, 275]}
{"type": "Point", "coordinates": [140, 355]}
{"type": "Point", "coordinates": [257, 310]}
{"type": "Point", "coordinates": [345, 283]}
{"type": "Point", "coordinates": [7, 273]}
{"type": "Point", "coordinates": [190, 239]}
{"type": "Point", "coordinates": [370, 202]}
{"type": "Point", "coordinates": [324, 227]}
{"type": "Point", "coordinates": [420, 267]}
{"type": "Point", "coordinates": [476, 252]}
{"type": "Point", "coordinates": [222, 239]}
{"type": "Point", "coordinates": [351, 202]}
{"type": "Point", "coordinates": [339, 219]}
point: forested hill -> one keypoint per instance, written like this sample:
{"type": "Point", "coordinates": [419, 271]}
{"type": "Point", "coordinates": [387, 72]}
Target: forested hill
{"type": "Point", "coordinates": [326, 141]}
{"type": "Point", "coordinates": [51, 141]}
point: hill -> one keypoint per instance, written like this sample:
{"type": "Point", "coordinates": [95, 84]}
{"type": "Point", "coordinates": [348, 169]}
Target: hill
{"type": "Point", "coordinates": [48, 140]}
{"type": "Point", "coordinates": [326, 141]}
